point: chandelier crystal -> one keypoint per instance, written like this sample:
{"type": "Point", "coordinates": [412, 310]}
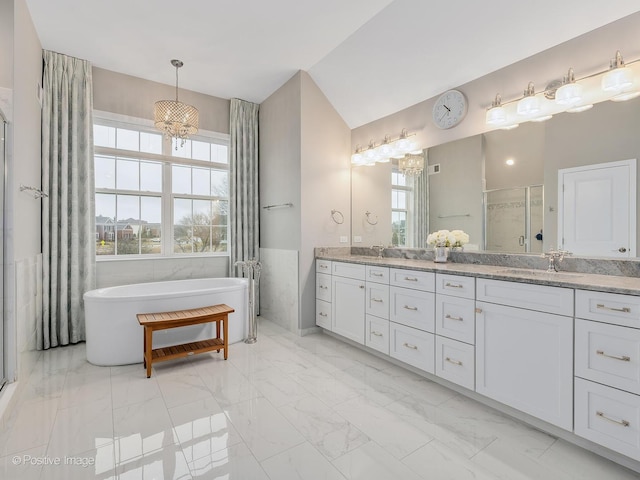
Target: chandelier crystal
{"type": "Point", "coordinates": [411, 165]}
{"type": "Point", "coordinates": [176, 119]}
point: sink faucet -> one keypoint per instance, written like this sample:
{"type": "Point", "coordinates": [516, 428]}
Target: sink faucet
{"type": "Point", "coordinates": [380, 249]}
{"type": "Point", "coordinates": [555, 257]}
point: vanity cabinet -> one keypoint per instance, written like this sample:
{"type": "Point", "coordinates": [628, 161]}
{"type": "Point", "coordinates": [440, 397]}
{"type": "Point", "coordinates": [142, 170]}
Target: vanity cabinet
{"type": "Point", "coordinates": [348, 300]}
{"type": "Point", "coordinates": [524, 353]}
{"type": "Point", "coordinates": [607, 369]}
{"type": "Point", "coordinates": [377, 309]}
{"type": "Point", "coordinates": [455, 329]}
{"type": "Point", "coordinates": [323, 293]}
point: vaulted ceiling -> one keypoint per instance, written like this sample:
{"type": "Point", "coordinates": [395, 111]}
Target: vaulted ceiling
{"type": "Point", "coordinates": [371, 58]}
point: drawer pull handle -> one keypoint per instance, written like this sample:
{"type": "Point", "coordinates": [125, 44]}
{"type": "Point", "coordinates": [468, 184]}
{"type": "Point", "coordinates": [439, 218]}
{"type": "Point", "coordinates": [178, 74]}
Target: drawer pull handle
{"type": "Point", "coordinates": [324, 287]}
{"type": "Point", "coordinates": [624, 423]}
{"type": "Point", "coordinates": [377, 334]}
{"type": "Point", "coordinates": [411, 279]}
{"type": "Point", "coordinates": [451, 317]}
{"type": "Point", "coordinates": [612, 309]}
{"type": "Point", "coordinates": [408, 345]}
{"type": "Point", "coordinates": [322, 314]}
{"type": "Point", "coordinates": [455, 362]}
{"type": "Point", "coordinates": [622, 358]}
{"type": "Point", "coordinates": [323, 266]}
{"type": "Point", "coordinates": [411, 308]}
{"type": "Point", "coordinates": [361, 286]}
{"type": "Point", "coordinates": [379, 300]}
{"type": "Point", "coordinates": [377, 274]}
{"type": "Point", "coordinates": [478, 310]}
{"type": "Point", "coordinates": [453, 285]}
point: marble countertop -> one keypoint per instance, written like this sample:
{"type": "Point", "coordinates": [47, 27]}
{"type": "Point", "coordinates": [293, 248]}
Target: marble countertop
{"type": "Point", "coordinates": [585, 281]}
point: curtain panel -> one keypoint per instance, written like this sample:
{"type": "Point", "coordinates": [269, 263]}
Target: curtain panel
{"type": "Point", "coordinates": [68, 214]}
{"type": "Point", "coordinates": [421, 209]}
{"type": "Point", "coordinates": [244, 215]}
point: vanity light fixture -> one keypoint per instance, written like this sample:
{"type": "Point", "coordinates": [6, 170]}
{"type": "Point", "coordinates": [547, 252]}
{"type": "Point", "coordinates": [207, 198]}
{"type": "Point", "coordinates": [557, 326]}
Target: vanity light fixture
{"type": "Point", "coordinates": [617, 83]}
{"type": "Point", "coordinates": [385, 151]}
{"type": "Point", "coordinates": [176, 119]}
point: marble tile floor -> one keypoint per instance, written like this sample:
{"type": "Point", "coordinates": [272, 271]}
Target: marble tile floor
{"type": "Point", "coordinates": [287, 407]}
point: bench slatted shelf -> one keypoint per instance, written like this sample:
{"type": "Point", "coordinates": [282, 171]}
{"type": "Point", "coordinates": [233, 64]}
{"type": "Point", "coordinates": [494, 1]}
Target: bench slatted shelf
{"type": "Point", "coordinates": [182, 318]}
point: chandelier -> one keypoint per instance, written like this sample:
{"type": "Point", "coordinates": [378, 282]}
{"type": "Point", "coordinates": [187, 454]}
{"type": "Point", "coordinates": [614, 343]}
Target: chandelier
{"type": "Point", "coordinates": [176, 119]}
{"type": "Point", "coordinates": [411, 165]}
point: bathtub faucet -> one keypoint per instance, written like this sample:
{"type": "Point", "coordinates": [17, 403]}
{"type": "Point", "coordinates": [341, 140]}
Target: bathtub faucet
{"type": "Point", "coordinates": [555, 257]}
{"type": "Point", "coordinates": [251, 270]}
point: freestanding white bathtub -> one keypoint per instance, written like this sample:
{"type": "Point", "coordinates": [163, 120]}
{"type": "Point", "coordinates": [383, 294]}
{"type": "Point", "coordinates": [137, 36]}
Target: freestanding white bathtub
{"type": "Point", "coordinates": [114, 336]}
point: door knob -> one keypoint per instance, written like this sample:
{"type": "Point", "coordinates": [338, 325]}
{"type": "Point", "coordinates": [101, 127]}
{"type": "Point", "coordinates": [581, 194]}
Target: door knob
{"type": "Point", "coordinates": [622, 250]}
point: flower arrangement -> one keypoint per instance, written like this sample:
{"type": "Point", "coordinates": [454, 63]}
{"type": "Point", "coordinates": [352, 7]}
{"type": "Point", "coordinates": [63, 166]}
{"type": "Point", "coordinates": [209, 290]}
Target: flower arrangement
{"type": "Point", "coordinates": [446, 238]}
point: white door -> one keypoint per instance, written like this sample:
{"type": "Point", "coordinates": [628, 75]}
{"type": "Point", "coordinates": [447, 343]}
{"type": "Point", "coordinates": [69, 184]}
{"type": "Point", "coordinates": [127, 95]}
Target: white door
{"type": "Point", "coordinates": [597, 209]}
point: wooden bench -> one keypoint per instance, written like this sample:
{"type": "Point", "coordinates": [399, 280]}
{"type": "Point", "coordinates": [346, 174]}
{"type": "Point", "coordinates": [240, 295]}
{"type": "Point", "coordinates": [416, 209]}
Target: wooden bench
{"type": "Point", "coordinates": [182, 318]}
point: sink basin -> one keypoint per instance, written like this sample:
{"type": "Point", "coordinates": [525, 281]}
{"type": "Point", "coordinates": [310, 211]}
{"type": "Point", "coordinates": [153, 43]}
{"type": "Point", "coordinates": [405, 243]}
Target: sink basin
{"type": "Point", "coordinates": [525, 272]}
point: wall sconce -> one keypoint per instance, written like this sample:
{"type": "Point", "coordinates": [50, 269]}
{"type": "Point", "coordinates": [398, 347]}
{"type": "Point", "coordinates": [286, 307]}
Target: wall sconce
{"type": "Point", "coordinates": [384, 151]}
{"type": "Point", "coordinates": [617, 83]}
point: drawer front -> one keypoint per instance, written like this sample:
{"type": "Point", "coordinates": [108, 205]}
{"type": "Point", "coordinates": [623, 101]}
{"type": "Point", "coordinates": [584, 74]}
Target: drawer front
{"type": "Point", "coordinates": [323, 266]}
{"type": "Point", "coordinates": [456, 318]}
{"type": "Point", "coordinates": [411, 279]}
{"type": "Point", "coordinates": [349, 270]}
{"type": "Point", "coordinates": [542, 298]}
{"type": "Point", "coordinates": [455, 361]}
{"type": "Point", "coordinates": [377, 334]}
{"type": "Point", "coordinates": [608, 417]}
{"type": "Point", "coordinates": [377, 274]}
{"type": "Point", "coordinates": [323, 314]}
{"type": "Point", "coordinates": [323, 287]}
{"type": "Point", "coordinates": [412, 308]}
{"type": "Point", "coordinates": [608, 307]}
{"type": "Point", "coordinates": [608, 354]}
{"type": "Point", "coordinates": [456, 285]}
{"type": "Point", "coordinates": [377, 300]}
{"type": "Point", "coordinates": [412, 346]}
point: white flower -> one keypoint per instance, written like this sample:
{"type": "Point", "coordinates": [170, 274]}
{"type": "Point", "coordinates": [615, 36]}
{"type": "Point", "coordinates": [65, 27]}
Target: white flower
{"type": "Point", "coordinates": [445, 238]}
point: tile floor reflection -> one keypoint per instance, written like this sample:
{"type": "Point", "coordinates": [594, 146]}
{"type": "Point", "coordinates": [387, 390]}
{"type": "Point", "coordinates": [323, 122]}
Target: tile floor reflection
{"type": "Point", "coordinates": [287, 407]}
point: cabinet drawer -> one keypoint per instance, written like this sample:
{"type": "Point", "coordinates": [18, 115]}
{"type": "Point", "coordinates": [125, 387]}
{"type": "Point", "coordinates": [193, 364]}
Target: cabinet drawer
{"type": "Point", "coordinates": [524, 295]}
{"type": "Point", "coordinates": [323, 314]}
{"type": "Point", "coordinates": [323, 266]}
{"type": "Point", "coordinates": [377, 334]}
{"type": "Point", "coordinates": [608, 307]}
{"type": "Point", "coordinates": [412, 308]}
{"type": "Point", "coordinates": [608, 354]}
{"type": "Point", "coordinates": [377, 299]}
{"type": "Point", "coordinates": [608, 417]}
{"type": "Point", "coordinates": [456, 318]}
{"type": "Point", "coordinates": [349, 270]}
{"type": "Point", "coordinates": [323, 287]}
{"type": "Point", "coordinates": [456, 285]}
{"type": "Point", "coordinates": [412, 346]}
{"type": "Point", "coordinates": [455, 361]}
{"type": "Point", "coordinates": [377, 274]}
{"type": "Point", "coordinates": [411, 279]}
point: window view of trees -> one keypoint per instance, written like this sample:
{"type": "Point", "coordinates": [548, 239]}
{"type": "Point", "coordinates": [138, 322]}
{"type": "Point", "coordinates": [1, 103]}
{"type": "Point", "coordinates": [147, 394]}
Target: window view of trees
{"type": "Point", "coordinates": [145, 199]}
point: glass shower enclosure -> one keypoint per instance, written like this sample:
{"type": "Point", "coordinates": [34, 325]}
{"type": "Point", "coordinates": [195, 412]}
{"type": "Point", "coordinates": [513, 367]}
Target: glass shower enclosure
{"type": "Point", "coordinates": [3, 151]}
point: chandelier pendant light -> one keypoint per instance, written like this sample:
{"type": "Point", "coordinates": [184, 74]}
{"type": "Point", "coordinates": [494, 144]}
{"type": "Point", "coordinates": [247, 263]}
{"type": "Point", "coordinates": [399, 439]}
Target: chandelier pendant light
{"type": "Point", "coordinates": [411, 165]}
{"type": "Point", "coordinates": [174, 118]}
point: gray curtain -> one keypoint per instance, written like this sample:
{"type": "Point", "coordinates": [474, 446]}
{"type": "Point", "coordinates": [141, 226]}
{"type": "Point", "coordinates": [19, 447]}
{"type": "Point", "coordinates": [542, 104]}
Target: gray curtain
{"type": "Point", "coordinates": [68, 231]}
{"type": "Point", "coordinates": [243, 186]}
{"type": "Point", "coordinates": [421, 209]}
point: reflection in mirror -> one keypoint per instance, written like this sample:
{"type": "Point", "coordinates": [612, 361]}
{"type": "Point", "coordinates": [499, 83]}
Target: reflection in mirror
{"type": "Point", "coordinates": [471, 166]}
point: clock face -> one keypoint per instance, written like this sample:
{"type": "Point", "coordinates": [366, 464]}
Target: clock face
{"type": "Point", "coordinates": [449, 109]}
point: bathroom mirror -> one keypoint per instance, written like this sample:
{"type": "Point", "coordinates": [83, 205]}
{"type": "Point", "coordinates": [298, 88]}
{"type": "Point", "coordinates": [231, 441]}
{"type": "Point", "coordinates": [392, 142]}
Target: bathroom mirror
{"type": "Point", "coordinates": [473, 180]}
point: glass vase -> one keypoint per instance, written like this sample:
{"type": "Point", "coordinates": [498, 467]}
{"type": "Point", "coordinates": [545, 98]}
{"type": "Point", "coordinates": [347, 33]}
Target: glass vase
{"type": "Point", "coordinates": [440, 254]}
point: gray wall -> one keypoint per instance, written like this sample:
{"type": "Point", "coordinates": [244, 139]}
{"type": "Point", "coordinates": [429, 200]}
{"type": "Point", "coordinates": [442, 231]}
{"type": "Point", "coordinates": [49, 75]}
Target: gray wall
{"type": "Point", "coordinates": [6, 44]}
{"type": "Point", "coordinates": [456, 191]}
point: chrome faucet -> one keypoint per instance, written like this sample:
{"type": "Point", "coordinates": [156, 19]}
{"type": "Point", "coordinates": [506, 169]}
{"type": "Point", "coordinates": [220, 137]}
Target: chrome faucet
{"type": "Point", "coordinates": [380, 249]}
{"type": "Point", "coordinates": [555, 257]}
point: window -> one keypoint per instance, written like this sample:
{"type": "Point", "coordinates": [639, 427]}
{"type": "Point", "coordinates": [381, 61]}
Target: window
{"type": "Point", "coordinates": [400, 208]}
{"type": "Point", "coordinates": [159, 198]}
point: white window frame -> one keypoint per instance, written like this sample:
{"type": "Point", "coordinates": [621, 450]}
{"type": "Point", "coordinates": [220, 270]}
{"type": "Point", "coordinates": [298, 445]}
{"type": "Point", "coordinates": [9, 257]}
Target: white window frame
{"type": "Point", "coordinates": [167, 196]}
{"type": "Point", "coordinates": [408, 210]}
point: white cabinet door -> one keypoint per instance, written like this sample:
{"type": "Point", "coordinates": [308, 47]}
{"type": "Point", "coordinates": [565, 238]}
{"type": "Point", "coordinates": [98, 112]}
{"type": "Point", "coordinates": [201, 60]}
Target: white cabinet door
{"type": "Point", "coordinates": [524, 359]}
{"type": "Point", "coordinates": [377, 302]}
{"type": "Point", "coordinates": [348, 308]}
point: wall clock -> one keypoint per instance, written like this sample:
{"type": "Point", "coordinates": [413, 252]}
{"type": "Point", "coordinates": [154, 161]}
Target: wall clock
{"type": "Point", "coordinates": [450, 109]}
